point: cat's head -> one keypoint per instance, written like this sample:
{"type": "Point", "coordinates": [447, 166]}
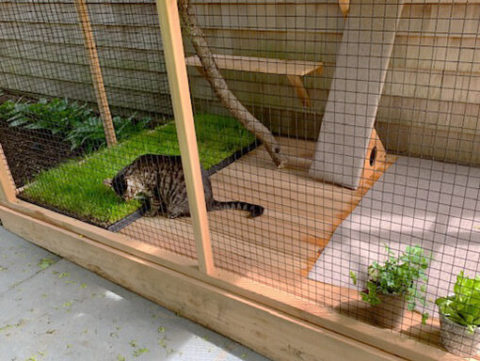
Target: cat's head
{"type": "Point", "coordinates": [124, 187]}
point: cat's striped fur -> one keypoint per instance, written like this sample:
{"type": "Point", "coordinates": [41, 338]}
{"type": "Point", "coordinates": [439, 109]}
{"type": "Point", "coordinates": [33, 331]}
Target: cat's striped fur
{"type": "Point", "coordinates": [159, 179]}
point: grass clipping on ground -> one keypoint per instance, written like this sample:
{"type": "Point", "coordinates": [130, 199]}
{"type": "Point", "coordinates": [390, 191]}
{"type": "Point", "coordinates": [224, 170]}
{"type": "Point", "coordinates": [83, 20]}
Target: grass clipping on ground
{"type": "Point", "coordinates": [76, 187]}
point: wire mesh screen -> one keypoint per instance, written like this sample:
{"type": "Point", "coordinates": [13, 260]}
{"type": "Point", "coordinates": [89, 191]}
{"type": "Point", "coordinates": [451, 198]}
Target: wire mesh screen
{"type": "Point", "coordinates": [44, 53]}
{"type": "Point", "coordinates": [376, 117]}
{"type": "Point", "coordinates": [29, 60]}
{"type": "Point", "coordinates": [54, 107]}
{"type": "Point", "coordinates": [342, 149]}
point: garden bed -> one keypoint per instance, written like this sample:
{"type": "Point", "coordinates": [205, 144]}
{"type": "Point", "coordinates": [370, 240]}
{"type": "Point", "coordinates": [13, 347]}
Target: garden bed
{"type": "Point", "coordinates": [76, 188]}
{"type": "Point", "coordinates": [38, 134]}
{"type": "Point", "coordinates": [28, 152]}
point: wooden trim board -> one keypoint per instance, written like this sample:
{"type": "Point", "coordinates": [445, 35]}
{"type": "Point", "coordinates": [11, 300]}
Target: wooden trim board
{"type": "Point", "coordinates": [49, 229]}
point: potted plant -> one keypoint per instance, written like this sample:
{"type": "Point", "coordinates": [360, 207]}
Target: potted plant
{"type": "Point", "coordinates": [460, 317]}
{"type": "Point", "coordinates": [393, 285]}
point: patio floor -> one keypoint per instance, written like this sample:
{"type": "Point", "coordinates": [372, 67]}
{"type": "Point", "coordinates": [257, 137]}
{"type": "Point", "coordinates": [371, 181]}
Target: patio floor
{"type": "Point", "coordinates": [53, 310]}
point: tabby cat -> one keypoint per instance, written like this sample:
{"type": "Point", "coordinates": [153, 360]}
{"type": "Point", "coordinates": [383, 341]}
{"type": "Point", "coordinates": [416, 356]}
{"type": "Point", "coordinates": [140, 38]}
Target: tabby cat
{"type": "Point", "coordinates": [159, 179]}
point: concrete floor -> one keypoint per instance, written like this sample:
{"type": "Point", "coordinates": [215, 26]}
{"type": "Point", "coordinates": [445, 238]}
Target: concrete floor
{"type": "Point", "coordinates": [53, 310]}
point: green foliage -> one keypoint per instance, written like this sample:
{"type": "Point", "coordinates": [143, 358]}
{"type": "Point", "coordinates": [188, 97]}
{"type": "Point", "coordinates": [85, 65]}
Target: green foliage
{"type": "Point", "coordinates": [76, 123]}
{"type": "Point", "coordinates": [353, 276]}
{"type": "Point", "coordinates": [398, 276]}
{"type": "Point", "coordinates": [76, 187]}
{"type": "Point", "coordinates": [45, 263]}
{"type": "Point", "coordinates": [140, 351]}
{"type": "Point", "coordinates": [464, 306]}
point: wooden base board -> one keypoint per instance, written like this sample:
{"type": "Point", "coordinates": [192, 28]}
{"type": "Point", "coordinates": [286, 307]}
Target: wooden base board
{"type": "Point", "coordinates": [272, 333]}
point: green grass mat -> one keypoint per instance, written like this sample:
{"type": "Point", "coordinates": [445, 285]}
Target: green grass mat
{"type": "Point", "coordinates": [75, 187]}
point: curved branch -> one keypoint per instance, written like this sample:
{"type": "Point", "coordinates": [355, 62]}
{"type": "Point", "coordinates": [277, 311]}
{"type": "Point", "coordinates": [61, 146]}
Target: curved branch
{"type": "Point", "coordinates": [220, 87]}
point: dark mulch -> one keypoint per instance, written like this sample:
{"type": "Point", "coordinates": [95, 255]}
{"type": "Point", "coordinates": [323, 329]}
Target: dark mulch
{"type": "Point", "coordinates": [30, 151]}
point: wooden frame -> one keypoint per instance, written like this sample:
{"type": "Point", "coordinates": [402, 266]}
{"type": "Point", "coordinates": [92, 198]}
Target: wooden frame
{"type": "Point", "coordinates": [281, 326]}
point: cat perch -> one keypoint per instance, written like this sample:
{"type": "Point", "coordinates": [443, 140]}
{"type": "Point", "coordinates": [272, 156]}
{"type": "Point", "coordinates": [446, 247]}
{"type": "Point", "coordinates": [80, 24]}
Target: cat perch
{"type": "Point", "coordinates": [362, 61]}
{"type": "Point", "coordinates": [295, 70]}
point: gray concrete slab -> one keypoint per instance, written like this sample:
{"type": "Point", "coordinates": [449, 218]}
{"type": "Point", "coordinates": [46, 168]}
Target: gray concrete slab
{"type": "Point", "coordinates": [416, 202]}
{"type": "Point", "coordinates": [57, 311]}
{"type": "Point", "coordinates": [20, 260]}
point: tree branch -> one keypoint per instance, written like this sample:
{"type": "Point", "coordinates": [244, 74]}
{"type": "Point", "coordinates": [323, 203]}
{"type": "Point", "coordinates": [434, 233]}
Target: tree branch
{"type": "Point", "coordinates": [220, 87]}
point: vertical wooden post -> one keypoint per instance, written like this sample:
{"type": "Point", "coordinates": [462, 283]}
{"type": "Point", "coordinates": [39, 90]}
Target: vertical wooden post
{"type": "Point", "coordinates": [182, 109]}
{"type": "Point", "coordinates": [7, 186]}
{"type": "Point", "coordinates": [96, 72]}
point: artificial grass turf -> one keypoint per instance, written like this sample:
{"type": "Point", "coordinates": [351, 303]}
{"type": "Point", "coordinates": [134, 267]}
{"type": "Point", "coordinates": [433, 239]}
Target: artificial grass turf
{"type": "Point", "coordinates": [76, 187]}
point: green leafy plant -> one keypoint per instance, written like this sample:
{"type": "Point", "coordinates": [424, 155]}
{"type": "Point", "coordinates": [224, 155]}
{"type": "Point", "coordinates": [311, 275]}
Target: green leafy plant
{"type": "Point", "coordinates": [464, 306]}
{"type": "Point", "coordinates": [398, 276]}
{"type": "Point", "coordinates": [76, 123]}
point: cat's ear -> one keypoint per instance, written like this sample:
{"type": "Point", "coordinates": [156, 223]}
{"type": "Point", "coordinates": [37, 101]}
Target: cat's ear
{"type": "Point", "coordinates": [108, 182]}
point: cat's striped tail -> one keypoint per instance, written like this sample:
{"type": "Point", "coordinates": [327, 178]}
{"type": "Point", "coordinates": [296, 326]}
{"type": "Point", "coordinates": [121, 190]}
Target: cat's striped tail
{"type": "Point", "coordinates": [255, 210]}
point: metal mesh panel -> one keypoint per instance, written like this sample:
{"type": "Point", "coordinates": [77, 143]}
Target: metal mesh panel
{"type": "Point", "coordinates": [315, 235]}
{"type": "Point", "coordinates": [373, 115]}
{"type": "Point", "coordinates": [52, 132]}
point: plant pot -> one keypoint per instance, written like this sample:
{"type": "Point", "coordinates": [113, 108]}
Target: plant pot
{"type": "Point", "coordinates": [389, 313]}
{"type": "Point", "coordinates": [456, 338]}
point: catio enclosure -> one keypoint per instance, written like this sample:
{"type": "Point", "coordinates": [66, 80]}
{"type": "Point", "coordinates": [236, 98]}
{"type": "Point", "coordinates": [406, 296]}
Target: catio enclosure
{"type": "Point", "coordinates": [354, 124]}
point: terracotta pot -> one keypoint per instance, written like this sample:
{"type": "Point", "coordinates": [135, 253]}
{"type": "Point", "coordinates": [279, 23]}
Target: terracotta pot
{"type": "Point", "coordinates": [389, 313]}
{"type": "Point", "coordinates": [457, 339]}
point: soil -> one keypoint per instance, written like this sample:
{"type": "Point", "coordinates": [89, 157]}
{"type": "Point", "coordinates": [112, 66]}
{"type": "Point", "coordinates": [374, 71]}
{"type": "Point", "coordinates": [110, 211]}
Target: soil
{"type": "Point", "coordinates": [28, 152]}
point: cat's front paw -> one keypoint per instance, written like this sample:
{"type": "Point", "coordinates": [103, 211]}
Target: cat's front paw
{"type": "Point", "coordinates": [150, 213]}
{"type": "Point", "coordinates": [174, 214]}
